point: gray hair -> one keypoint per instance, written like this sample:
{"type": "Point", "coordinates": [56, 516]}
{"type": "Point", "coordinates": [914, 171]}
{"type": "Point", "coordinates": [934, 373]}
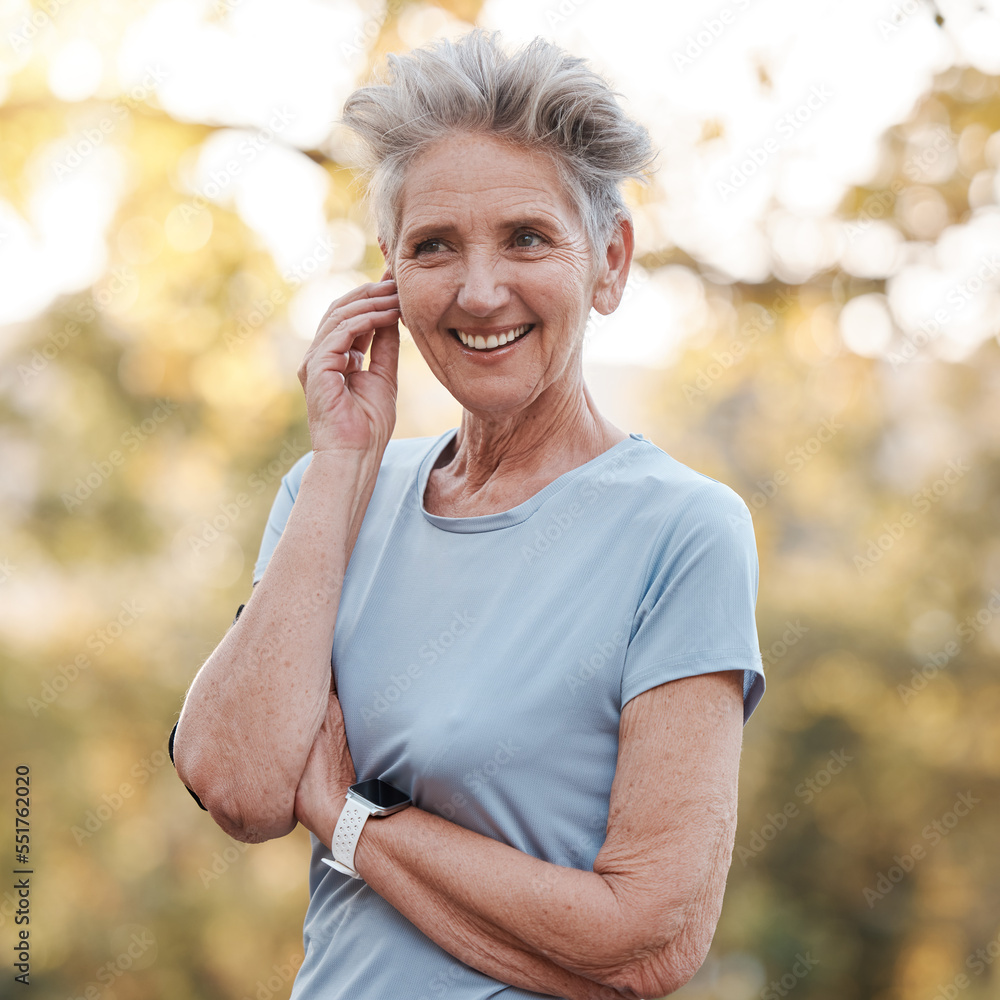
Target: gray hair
{"type": "Point", "coordinates": [540, 98]}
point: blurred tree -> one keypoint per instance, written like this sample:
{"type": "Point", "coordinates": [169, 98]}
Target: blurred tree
{"type": "Point", "coordinates": [145, 425]}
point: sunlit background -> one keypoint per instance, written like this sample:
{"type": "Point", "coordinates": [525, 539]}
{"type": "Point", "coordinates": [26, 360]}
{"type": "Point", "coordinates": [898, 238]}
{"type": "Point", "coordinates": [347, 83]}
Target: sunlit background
{"type": "Point", "coordinates": [812, 318]}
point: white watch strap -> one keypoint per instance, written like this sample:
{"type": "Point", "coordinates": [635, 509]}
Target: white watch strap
{"type": "Point", "coordinates": [346, 836]}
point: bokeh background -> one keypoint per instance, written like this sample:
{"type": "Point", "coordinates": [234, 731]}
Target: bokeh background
{"type": "Point", "coordinates": [812, 318]}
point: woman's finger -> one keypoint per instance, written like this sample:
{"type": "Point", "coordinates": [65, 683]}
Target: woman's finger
{"type": "Point", "coordinates": [341, 332]}
{"type": "Point", "coordinates": [334, 353]}
{"type": "Point", "coordinates": [339, 337]}
{"type": "Point", "coordinates": [358, 308]}
{"type": "Point", "coordinates": [375, 296]}
{"type": "Point", "coordinates": [333, 318]}
{"type": "Point", "coordinates": [358, 299]}
{"type": "Point", "coordinates": [363, 342]}
{"type": "Point", "coordinates": [384, 360]}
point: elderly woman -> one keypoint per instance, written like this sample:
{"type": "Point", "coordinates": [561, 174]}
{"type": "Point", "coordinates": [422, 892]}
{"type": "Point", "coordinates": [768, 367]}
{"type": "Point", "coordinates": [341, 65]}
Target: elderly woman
{"type": "Point", "coordinates": [542, 627]}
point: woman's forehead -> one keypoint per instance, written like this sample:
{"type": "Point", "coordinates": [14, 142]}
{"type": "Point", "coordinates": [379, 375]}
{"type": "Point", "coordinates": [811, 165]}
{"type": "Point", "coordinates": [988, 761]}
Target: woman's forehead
{"type": "Point", "coordinates": [464, 180]}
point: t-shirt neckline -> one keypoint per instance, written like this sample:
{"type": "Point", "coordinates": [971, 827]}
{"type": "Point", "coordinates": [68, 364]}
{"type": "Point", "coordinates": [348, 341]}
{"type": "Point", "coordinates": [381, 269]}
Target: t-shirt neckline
{"type": "Point", "coordinates": [504, 518]}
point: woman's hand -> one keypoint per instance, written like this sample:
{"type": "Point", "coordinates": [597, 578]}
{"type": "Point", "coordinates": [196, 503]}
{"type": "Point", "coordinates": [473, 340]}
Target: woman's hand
{"type": "Point", "coordinates": [350, 409]}
{"type": "Point", "coordinates": [329, 773]}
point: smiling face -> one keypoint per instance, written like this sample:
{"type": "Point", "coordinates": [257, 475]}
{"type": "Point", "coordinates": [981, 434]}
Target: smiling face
{"type": "Point", "coordinates": [495, 275]}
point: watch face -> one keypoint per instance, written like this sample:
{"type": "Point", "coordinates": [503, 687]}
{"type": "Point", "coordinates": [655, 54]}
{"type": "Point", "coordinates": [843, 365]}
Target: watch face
{"type": "Point", "coordinates": [380, 793]}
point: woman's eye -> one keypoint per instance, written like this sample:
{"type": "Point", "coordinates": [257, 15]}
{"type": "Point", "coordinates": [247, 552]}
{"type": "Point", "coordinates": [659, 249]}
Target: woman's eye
{"type": "Point", "coordinates": [428, 245]}
{"type": "Point", "coordinates": [527, 236]}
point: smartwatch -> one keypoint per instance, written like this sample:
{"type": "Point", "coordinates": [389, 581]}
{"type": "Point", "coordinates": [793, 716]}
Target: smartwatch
{"type": "Point", "coordinates": [366, 798]}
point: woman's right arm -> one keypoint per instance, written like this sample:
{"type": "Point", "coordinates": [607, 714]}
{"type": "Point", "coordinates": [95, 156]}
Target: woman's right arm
{"type": "Point", "coordinates": [253, 711]}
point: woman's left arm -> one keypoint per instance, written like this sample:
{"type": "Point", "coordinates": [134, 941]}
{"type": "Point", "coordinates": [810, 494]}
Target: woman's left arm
{"type": "Point", "coordinates": [640, 924]}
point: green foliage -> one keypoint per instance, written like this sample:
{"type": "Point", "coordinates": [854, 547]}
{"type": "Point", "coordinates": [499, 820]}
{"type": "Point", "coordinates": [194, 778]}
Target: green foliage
{"type": "Point", "coordinates": [878, 614]}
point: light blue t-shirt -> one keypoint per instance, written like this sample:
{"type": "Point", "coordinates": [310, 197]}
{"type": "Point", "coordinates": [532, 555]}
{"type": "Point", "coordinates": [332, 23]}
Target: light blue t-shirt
{"type": "Point", "coordinates": [482, 664]}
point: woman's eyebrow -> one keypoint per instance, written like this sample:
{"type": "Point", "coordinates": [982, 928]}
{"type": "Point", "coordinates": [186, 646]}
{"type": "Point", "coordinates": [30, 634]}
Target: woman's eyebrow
{"type": "Point", "coordinates": [443, 228]}
{"type": "Point", "coordinates": [531, 222]}
{"type": "Point", "coordinates": [427, 230]}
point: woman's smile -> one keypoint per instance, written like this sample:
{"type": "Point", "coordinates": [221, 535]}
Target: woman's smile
{"type": "Point", "coordinates": [490, 339]}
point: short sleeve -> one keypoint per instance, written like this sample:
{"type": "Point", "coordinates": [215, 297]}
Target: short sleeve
{"type": "Point", "coordinates": [280, 509]}
{"type": "Point", "coordinates": [697, 613]}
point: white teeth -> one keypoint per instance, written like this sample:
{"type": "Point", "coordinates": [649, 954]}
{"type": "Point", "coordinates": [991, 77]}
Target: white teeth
{"type": "Point", "coordinates": [481, 343]}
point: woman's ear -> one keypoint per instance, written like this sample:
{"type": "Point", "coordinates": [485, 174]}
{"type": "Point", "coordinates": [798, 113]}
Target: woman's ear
{"type": "Point", "coordinates": [614, 268]}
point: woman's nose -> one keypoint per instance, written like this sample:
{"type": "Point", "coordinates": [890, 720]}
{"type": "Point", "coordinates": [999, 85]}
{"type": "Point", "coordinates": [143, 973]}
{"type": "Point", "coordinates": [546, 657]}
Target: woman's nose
{"type": "Point", "coordinates": [483, 286]}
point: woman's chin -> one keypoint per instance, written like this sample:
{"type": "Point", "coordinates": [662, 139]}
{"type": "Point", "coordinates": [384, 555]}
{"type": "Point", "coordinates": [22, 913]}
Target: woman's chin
{"type": "Point", "coordinates": [494, 397]}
